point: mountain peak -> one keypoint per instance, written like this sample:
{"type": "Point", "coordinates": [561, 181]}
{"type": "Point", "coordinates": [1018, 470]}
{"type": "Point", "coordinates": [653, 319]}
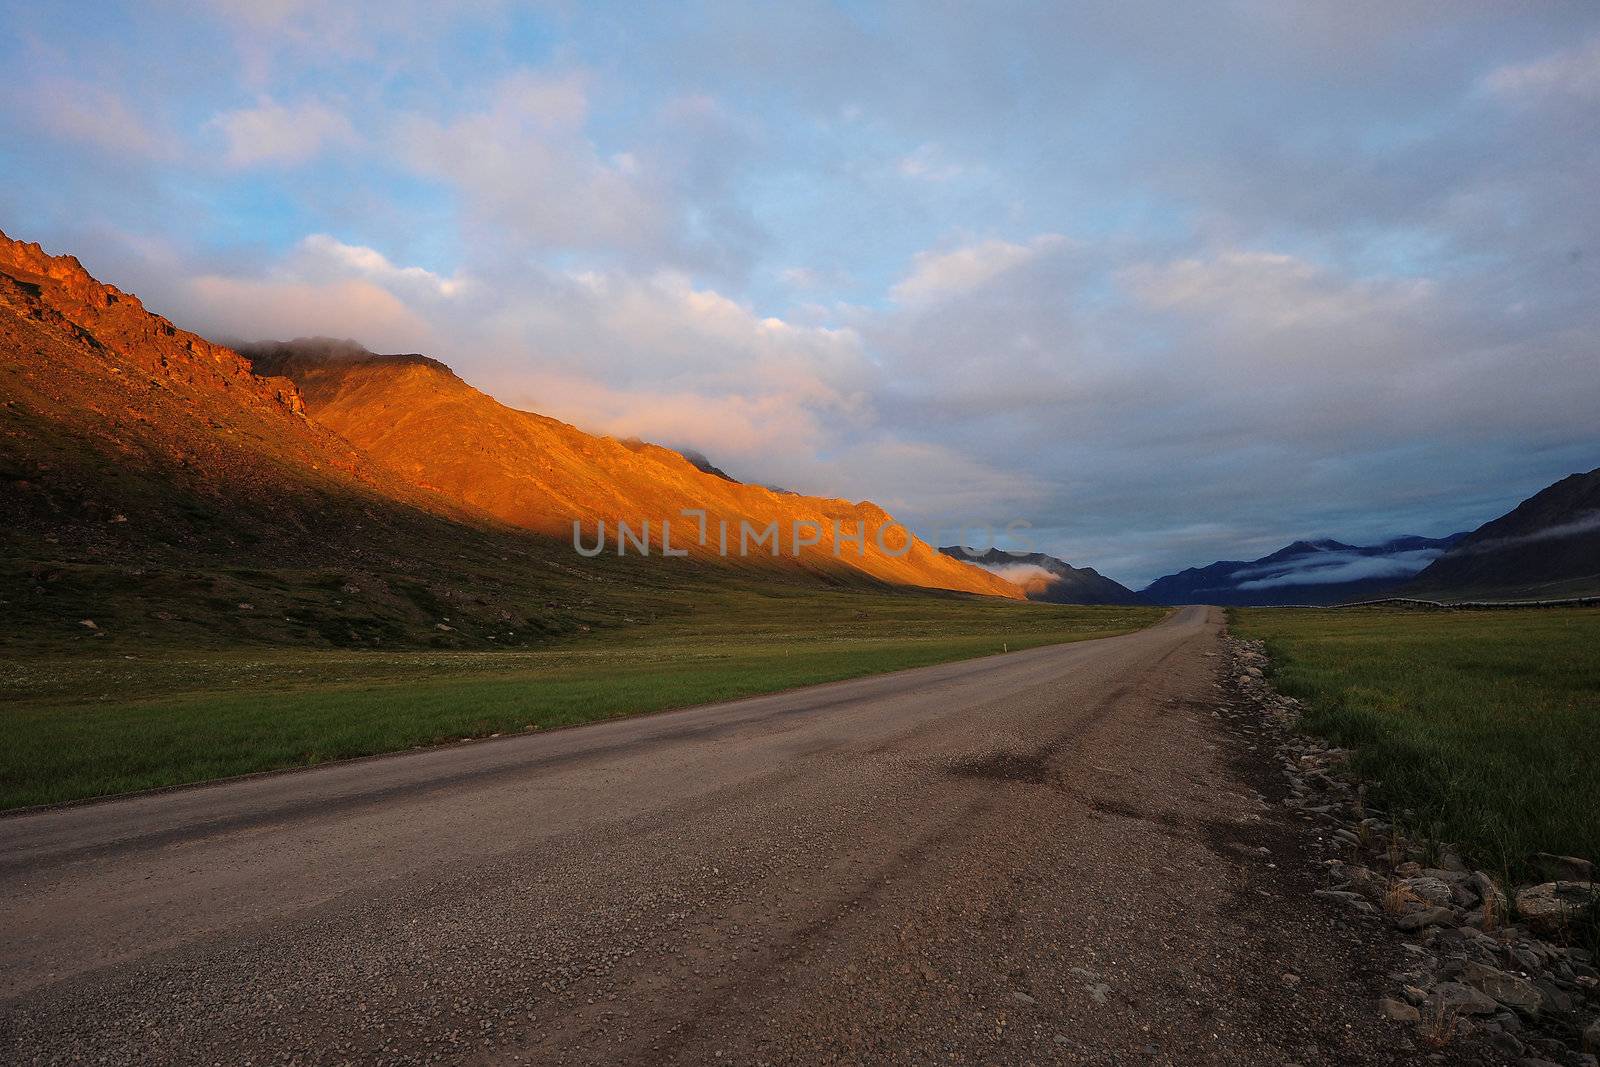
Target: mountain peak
{"type": "Point", "coordinates": [303, 354]}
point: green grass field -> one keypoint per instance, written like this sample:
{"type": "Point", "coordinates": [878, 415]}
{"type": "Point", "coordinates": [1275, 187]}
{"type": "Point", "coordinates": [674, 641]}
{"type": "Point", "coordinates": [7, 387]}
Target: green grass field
{"type": "Point", "coordinates": [1485, 724]}
{"type": "Point", "coordinates": [89, 724]}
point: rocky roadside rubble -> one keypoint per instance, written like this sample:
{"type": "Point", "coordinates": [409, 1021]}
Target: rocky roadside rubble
{"type": "Point", "coordinates": [1483, 969]}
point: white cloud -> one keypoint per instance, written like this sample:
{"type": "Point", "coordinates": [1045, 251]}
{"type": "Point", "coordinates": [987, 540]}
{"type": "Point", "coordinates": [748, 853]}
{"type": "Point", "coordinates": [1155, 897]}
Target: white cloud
{"type": "Point", "coordinates": [94, 115]}
{"type": "Point", "coordinates": [811, 278]}
{"type": "Point", "coordinates": [1574, 72]}
{"type": "Point", "coordinates": [1334, 568]}
{"type": "Point", "coordinates": [1587, 522]}
{"type": "Point", "coordinates": [1259, 297]}
{"type": "Point", "coordinates": [942, 488]}
{"type": "Point", "coordinates": [263, 14]}
{"type": "Point", "coordinates": [274, 133]}
{"type": "Point", "coordinates": [262, 308]}
{"type": "Point", "coordinates": [1032, 578]}
{"type": "Point", "coordinates": [322, 254]}
{"type": "Point", "coordinates": [269, 35]}
{"type": "Point", "coordinates": [940, 274]}
{"type": "Point", "coordinates": [754, 433]}
{"type": "Point", "coordinates": [661, 330]}
{"type": "Point", "coordinates": [531, 99]}
{"type": "Point", "coordinates": [930, 163]}
{"type": "Point", "coordinates": [529, 175]}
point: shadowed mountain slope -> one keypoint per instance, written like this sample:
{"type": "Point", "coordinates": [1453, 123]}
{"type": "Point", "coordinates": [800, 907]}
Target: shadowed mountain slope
{"type": "Point", "coordinates": [541, 474]}
{"type": "Point", "coordinates": [1048, 579]}
{"type": "Point", "coordinates": [1546, 547]}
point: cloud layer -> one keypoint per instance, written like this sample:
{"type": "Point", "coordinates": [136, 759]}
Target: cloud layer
{"type": "Point", "coordinates": [1032, 578]}
{"type": "Point", "coordinates": [1333, 568]}
{"type": "Point", "coordinates": [1168, 286]}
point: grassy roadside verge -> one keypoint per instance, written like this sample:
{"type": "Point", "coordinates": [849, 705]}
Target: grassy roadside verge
{"type": "Point", "coordinates": [74, 731]}
{"type": "Point", "coordinates": [1485, 725]}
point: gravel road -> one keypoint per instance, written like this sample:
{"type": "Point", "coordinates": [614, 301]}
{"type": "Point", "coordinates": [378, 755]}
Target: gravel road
{"type": "Point", "coordinates": [1056, 855]}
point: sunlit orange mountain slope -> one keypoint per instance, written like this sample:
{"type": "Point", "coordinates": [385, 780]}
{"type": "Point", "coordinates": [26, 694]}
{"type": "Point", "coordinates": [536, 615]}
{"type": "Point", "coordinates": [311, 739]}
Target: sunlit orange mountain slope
{"type": "Point", "coordinates": [129, 445]}
{"type": "Point", "coordinates": [536, 472]}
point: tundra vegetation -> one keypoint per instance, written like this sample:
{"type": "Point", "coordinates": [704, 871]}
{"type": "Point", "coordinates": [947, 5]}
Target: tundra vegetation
{"type": "Point", "coordinates": [1480, 728]}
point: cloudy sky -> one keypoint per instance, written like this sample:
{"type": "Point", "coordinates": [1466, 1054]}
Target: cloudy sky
{"type": "Point", "coordinates": [1171, 282]}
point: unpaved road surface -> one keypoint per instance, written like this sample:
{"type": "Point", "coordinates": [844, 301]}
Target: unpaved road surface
{"type": "Point", "coordinates": [1052, 856]}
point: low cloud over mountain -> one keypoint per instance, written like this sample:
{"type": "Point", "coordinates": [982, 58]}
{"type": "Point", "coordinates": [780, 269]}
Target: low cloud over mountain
{"type": "Point", "coordinates": [1338, 566]}
{"type": "Point", "coordinates": [1047, 578]}
{"type": "Point", "coordinates": [1305, 572]}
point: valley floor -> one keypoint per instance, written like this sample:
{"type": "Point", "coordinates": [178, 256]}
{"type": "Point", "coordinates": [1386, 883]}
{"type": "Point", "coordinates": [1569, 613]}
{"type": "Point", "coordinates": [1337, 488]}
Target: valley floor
{"type": "Point", "coordinates": [148, 715]}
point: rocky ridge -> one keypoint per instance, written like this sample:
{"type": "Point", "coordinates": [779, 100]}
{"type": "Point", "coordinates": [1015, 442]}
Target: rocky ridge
{"type": "Point", "coordinates": [1493, 975]}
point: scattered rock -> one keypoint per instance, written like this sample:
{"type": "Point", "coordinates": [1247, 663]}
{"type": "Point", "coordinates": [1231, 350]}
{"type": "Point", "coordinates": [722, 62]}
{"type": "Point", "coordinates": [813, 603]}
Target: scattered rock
{"type": "Point", "coordinates": [1398, 1010]}
{"type": "Point", "coordinates": [1485, 889]}
{"type": "Point", "coordinates": [1461, 999]}
{"type": "Point", "coordinates": [1552, 906]}
{"type": "Point", "coordinates": [1426, 917]}
{"type": "Point", "coordinates": [1564, 868]}
{"type": "Point", "coordinates": [1505, 1044]}
{"type": "Point", "coordinates": [1433, 891]}
{"type": "Point", "coordinates": [1508, 989]}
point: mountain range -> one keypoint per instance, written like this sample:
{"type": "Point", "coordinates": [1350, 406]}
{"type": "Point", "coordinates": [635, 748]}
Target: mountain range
{"type": "Point", "coordinates": [1305, 572]}
{"type": "Point", "coordinates": [1048, 579]}
{"type": "Point", "coordinates": [1548, 547]}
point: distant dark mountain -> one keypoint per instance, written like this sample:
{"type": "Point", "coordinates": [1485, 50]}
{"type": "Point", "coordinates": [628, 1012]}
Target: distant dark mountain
{"type": "Point", "coordinates": [1305, 572]}
{"type": "Point", "coordinates": [1046, 578]}
{"type": "Point", "coordinates": [1546, 547]}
